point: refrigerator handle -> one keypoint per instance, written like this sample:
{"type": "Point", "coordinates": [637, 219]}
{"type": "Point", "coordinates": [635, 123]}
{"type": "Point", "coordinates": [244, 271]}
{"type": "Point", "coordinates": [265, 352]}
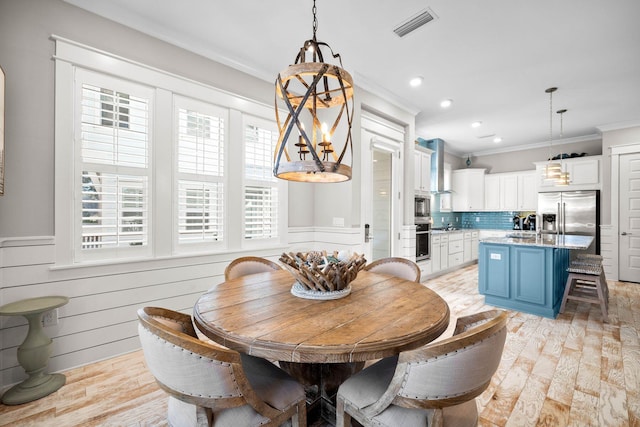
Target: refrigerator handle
{"type": "Point", "coordinates": [564, 225]}
{"type": "Point", "coordinates": [558, 218]}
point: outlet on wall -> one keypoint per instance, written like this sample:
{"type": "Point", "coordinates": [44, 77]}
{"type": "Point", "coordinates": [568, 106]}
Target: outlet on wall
{"type": "Point", "coordinates": [338, 221]}
{"type": "Point", "coordinates": [50, 318]}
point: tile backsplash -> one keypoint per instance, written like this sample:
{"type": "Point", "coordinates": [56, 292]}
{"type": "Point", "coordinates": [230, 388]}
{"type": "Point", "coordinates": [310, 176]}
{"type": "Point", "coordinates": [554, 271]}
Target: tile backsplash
{"type": "Point", "coordinates": [477, 220]}
{"type": "Point", "coordinates": [488, 220]}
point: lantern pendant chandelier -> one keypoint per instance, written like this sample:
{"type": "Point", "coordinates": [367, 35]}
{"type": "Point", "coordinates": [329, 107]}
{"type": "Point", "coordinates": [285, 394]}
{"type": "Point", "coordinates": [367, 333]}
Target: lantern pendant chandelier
{"type": "Point", "coordinates": [553, 169]}
{"type": "Point", "coordinates": [564, 176]}
{"type": "Point", "coordinates": [318, 100]}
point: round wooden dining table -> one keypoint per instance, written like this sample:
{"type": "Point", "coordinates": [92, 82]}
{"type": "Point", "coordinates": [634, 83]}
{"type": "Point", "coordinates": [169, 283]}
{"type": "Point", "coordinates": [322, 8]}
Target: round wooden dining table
{"type": "Point", "coordinates": [321, 342]}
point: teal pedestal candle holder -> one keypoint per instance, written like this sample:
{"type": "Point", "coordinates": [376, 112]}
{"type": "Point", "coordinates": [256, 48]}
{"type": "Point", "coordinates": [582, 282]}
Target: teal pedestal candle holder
{"type": "Point", "coordinates": [34, 352]}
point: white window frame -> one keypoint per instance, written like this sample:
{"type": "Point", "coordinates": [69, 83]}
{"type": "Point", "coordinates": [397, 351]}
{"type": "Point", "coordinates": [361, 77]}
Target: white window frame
{"type": "Point", "coordinates": [181, 102]}
{"type": "Point", "coordinates": [71, 56]}
{"type": "Point", "coordinates": [278, 184]}
{"type": "Point", "coordinates": [82, 77]}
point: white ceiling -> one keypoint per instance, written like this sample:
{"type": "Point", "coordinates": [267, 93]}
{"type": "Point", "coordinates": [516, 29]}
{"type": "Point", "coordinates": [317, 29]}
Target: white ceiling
{"type": "Point", "coordinates": [494, 58]}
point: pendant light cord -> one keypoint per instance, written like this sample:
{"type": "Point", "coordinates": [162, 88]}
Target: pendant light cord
{"type": "Point", "coordinates": [550, 123]}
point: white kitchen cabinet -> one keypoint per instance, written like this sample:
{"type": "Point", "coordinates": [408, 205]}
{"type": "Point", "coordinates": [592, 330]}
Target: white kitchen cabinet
{"type": "Point", "coordinates": [455, 249]}
{"type": "Point", "coordinates": [475, 244]}
{"type": "Point", "coordinates": [444, 252]}
{"type": "Point", "coordinates": [528, 191]}
{"type": "Point", "coordinates": [511, 191]}
{"type": "Point", "coordinates": [422, 171]}
{"type": "Point", "coordinates": [425, 269]}
{"type": "Point", "coordinates": [585, 173]}
{"type": "Point", "coordinates": [492, 192]}
{"type": "Point", "coordinates": [466, 257]}
{"type": "Point", "coordinates": [435, 253]}
{"type": "Point", "coordinates": [468, 190]}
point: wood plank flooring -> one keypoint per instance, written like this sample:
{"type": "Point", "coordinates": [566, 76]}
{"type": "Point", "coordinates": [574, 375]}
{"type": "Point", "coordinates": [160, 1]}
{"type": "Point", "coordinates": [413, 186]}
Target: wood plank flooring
{"type": "Point", "coordinates": [571, 371]}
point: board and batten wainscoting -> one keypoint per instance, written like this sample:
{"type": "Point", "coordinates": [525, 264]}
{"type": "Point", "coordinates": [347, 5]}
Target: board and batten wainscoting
{"type": "Point", "coordinates": [607, 252]}
{"type": "Point", "coordinates": [100, 319]}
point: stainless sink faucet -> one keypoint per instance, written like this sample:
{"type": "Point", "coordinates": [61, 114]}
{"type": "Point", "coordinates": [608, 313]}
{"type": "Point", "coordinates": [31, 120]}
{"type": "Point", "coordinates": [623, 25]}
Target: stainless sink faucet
{"type": "Point", "coordinates": [538, 224]}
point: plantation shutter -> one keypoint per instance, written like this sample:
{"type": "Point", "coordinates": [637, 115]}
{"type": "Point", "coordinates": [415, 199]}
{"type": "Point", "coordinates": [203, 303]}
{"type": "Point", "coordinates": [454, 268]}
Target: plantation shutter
{"type": "Point", "coordinates": [114, 163]}
{"type": "Point", "coordinates": [201, 134]}
{"type": "Point", "coordinates": [261, 204]}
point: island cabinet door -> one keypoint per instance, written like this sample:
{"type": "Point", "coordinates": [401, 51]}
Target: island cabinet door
{"type": "Point", "coordinates": [531, 274]}
{"type": "Point", "coordinates": [493, 270]}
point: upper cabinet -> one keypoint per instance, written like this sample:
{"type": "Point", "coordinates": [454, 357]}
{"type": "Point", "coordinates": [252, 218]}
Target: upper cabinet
{"type": "Point", "coordinates": [512, 191]}
{"type": "Point", "coordinates": [585, 173]}
{"type": "Point", "coordinates": [422, 171]}
{"type": "Point", "coordinates": [468, 190]}
{"type": "Point", "coordinates": [528, 191]}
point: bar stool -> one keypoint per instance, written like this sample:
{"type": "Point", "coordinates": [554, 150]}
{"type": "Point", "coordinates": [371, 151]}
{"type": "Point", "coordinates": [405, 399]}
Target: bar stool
{"type": "Point", "coordinates": [586, 282]}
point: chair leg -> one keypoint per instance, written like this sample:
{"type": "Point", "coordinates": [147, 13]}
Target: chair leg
{"type": "Point", "coordinates": [567, 290]}
{"type": "Point", "coordinates": [604, 299]}
{"type": "Point", "coordinates": [342, 418]}
{"type": "Point", "coordinates": [300, 418]}
{"type": "Point", "coordinates": [435, 418]}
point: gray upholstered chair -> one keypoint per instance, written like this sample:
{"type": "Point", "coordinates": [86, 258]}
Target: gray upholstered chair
{"type": "Point", "coordinates": [215, 386]}
{"type": "Point", "coordinates": [396, 266]}
{"type": "Point", "coordinates": [433, 385]}
{"type": "Point", "coordinates": [248, 265]}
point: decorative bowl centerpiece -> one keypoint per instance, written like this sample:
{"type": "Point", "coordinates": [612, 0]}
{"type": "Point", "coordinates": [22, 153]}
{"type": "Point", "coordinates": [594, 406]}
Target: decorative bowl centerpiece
{"type": "Point", "coordinates": [322, 276]}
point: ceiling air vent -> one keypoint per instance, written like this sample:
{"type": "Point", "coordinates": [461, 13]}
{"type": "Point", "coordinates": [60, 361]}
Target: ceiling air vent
{"type": "Point", "coordinates": [415, 22]}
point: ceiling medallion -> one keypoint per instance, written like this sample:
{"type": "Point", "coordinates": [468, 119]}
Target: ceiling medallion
{"type": "Point", "coordinates": [318, 100]}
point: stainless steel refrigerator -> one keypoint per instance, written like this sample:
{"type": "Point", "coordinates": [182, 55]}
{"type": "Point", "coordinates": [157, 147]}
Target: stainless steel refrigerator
{"type": "Point", "coordinates": [571, 212]}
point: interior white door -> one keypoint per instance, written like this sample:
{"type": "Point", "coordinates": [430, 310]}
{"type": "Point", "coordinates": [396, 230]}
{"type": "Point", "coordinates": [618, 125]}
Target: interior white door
{"type": "Point", "coordinates": [381, 188]}
{"type": "Point", "coordinates": [629, 221]}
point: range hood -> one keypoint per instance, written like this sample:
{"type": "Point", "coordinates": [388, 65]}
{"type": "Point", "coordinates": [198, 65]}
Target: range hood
{"type": "Point", "coordinates": [437, 164]}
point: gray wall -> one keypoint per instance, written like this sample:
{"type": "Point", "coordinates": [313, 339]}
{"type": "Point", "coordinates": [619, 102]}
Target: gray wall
{"type": "Point", "coordinates": [523, 160]}
{"type": "Point", "coordinates": [26, 52]}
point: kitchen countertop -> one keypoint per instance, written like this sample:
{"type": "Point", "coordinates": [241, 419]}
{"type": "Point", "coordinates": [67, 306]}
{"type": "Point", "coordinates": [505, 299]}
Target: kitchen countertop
{"type": "Point", "coordinates": [443, 231]}
{"type": "Point", "coordinates": [567, 241]}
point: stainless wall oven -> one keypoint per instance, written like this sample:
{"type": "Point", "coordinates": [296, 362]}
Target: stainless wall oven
{"type": "Point", "coordinates": [423, 241]}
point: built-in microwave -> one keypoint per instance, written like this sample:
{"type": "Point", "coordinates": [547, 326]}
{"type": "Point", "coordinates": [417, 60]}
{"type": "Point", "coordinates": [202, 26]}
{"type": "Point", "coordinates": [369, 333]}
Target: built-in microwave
{"type": "Point", "coordinates": [422, 209]}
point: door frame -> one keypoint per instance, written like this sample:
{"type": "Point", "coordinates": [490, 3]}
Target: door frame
{"type": "Point", "coordinates": [616, 152]}
{"type": "Point", "coordinates": [390, 137]}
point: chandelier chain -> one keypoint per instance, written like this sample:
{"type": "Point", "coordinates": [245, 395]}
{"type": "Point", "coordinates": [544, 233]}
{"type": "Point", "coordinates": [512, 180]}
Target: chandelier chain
{"type": "Point", "coordinates": [315, 19]}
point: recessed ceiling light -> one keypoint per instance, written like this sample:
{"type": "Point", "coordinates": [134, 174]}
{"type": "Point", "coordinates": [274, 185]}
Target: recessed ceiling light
{"type": "Point", "coordinates": [497, 139]}
{"type": "Point", "coordinates": [476, 124]}
{"type": "Point", "coordinates": [446, 103]}
{"type": "Point", "coordinates": [416, 81]}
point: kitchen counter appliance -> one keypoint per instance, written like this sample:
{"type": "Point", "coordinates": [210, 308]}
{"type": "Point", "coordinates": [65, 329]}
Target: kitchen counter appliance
{"type": "Point", "coordinates": [571, 212]}
{"type": "Point", "coordinates": [422, 209]}
{"type": "Point", "coordinates": [423, 241]}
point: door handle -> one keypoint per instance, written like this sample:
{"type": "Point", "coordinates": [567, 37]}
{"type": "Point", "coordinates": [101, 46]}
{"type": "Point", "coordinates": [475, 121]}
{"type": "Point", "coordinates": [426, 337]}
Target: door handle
{"type": "Point", "coordinates": [624, 233]}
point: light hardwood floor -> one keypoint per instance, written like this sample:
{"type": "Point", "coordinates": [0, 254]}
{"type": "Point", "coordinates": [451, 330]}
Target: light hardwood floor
{"type": "Point", "coordinates": [571, 371]}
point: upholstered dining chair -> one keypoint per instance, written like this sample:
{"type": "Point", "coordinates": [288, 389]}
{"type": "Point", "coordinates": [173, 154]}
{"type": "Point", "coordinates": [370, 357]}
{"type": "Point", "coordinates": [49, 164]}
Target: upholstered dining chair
{"type": "Point", "coordinates": [396, 266]}
{"type": "Point", "coordinates": [248, 265]}
{"type": "Point", "coordinates": [215, 386]}
{"type": "Point", "coordinates": [434, 385]}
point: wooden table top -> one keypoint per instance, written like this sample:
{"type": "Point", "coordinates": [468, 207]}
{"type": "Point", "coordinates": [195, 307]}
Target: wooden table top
{"type": "Point", "coordinates": [383, 315]}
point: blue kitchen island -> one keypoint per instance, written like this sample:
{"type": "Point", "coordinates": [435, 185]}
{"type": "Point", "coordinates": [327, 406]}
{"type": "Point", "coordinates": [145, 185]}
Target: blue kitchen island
{"type": "Point", "coordinates": [525, 271]}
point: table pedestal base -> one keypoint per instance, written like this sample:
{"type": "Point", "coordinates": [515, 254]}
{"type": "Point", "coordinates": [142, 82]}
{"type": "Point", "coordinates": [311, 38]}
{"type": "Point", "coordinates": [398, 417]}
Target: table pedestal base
{"type": "Point", "coordinates": [33, 388]}
{"type": "Point", "coordinates": [321, 382]}
{"type": "Point", "coordinates": [34, 352]}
